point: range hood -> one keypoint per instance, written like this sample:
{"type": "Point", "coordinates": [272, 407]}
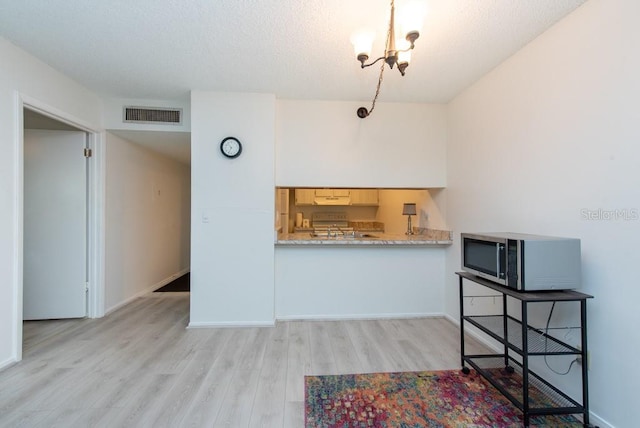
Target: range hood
{"type": "Point", "coordinates": [332, 200]}
{"type": "Point", "coordinates": [332, 197]}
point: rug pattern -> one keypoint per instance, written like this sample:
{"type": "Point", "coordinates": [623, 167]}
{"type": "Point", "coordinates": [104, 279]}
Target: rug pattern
{"type": "Point", "coordinates": [439, 399]}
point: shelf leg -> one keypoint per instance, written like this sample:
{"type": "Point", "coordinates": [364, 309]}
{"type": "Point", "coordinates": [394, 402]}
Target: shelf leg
{"type": "Point", "coordinates": [461, 323]}
{"type": "Point", "coordinates": [525, 363]}
{"type": "Point", "coordinates": [585, 363]}
{"type": "Point", "coordinates": [505, 330]}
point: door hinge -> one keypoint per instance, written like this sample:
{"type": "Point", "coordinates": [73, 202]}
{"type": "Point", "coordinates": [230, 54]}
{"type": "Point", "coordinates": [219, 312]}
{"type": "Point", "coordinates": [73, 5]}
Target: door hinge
{"type": "Point", "coordinates": [87, 152]}
{"type": "Point", "coordinates": [86, 287]}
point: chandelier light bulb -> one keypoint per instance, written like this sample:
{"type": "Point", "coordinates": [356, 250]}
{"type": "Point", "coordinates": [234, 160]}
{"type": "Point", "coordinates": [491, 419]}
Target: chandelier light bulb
{"type": "Point", "coordinates": [411, 17]}
{"type": "Point", "coordinates": [404, 57]}
{"type": "Point", "coordinates": [362, 43]}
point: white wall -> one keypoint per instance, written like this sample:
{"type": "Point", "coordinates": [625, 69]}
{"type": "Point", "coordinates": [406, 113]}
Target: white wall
{"type": "Point", "coordinates": [20, 73]}
{"type": "Point", "coordinates": [342, 282]}
{"type": "Point", "coordinates": [232, 236]}
{"type": "Point", "coordinates": [550, 133]}
{"type": "Point", "coordinates": [324, 144]}
{"type": "Point", "coordinates": [147, 220]}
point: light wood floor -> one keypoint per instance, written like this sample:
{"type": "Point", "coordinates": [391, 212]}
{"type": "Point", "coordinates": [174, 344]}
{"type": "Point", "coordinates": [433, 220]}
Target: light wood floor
{"type": "Point", "coordinates": [140, 367]}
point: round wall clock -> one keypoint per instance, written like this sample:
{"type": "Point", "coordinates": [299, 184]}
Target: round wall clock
{"type": "Point", "coordinates": [231, 147]}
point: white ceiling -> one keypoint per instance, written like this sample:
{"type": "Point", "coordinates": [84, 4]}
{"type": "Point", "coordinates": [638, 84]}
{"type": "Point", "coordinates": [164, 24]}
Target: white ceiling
{"type": "Point", "coordinates": [176, 145]}
{"type": "Point", "coordinates": [298, 49]}
{"type": "Point", "coordinates": [295, 49]}
{"type": "Point", "coordinates": [35, 120]}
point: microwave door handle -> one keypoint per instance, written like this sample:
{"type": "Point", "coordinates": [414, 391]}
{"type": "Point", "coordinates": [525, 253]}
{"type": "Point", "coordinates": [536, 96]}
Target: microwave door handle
{"type": "Point", "coordinates": [499, 249]}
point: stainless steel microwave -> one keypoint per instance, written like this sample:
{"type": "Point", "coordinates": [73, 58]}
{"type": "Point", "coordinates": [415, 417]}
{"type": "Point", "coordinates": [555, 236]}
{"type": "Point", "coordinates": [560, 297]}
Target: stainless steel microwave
{"type": "Point", "coordinates": [523, 262]}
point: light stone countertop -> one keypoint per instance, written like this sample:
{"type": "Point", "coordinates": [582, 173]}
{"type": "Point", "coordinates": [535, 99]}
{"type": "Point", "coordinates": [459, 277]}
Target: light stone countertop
{"type": "Point", "coordinates": [424, 238]}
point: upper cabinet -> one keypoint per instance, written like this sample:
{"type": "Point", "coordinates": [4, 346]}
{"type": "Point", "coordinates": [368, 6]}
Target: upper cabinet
{"type": "Point", "coordinates": [332, 193]}
{"type": "Point", "coordinates": [305, 196]}
{"type": "Point", "coordinates": [360, 197]}
{"type": "Point", "coordinates": [365, 197]}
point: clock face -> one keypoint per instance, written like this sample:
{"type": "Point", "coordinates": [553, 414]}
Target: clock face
{"type": "Point", "coordinates": [231, 147]}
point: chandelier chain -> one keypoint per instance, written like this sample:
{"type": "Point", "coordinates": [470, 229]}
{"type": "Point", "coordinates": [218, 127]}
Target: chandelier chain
{"type": "Point", "coordinates": [375, 98]}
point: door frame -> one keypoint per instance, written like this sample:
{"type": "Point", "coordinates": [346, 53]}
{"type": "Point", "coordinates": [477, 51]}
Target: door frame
{"type": "Point", "coordinates": [95, 209]}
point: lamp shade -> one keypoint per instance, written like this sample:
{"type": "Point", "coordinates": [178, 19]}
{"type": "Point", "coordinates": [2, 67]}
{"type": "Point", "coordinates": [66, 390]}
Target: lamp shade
{"type": "Point", "coordinates": [411, 17]}
{"type": "Point", "coordinates": [362, 42]}
{"type": "Point", "coordinates": [409, 209]}
{"type": "Point", "coordinates": [404, 57]}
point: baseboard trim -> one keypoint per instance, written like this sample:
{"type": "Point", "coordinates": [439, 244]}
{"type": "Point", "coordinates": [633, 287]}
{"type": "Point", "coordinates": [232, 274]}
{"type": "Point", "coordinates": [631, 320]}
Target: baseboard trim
{"type": "Point", "coordinates": [452, 320]}
{"type": "Point", "coordinates": [358, 317]}
{"type": "Point", "coordinates": [598, 421]}
{"type": "Point", "coordinates": [7, 363]}
{"type": "Point", "coordinates": [125, 302]}
{"type": "Point", "coordinates": [147, 290]}
{"type": "Point", "coordinates": [351, 317]}
{"type": "Point", "coordinates": [231, 324]}
{"type": "Point", "coordinates": [167, 280]}
{"type": "Point", "coordinates": [482, 338]}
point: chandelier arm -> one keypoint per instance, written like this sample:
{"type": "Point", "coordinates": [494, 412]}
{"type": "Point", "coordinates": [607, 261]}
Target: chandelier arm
{"type": "Point", "coordinates": [372, 63]}
{"type": "Point", "coordinates": [405, 50]}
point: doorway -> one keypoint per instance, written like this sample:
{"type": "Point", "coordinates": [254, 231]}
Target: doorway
{"type": "Point", "coordinates": [93, 283]}
{"type": "Point", "coordinates": [54, 219]}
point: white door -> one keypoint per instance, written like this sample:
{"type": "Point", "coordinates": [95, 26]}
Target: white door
{"type": "Point", "coordinates": [55, 225]}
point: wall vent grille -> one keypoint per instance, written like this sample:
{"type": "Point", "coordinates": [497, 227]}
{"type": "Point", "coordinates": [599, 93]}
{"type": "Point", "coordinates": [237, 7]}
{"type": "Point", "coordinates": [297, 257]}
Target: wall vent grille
{"type": "Point", "coordinates": [170, 116]}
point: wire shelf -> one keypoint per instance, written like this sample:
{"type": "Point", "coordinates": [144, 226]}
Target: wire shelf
{"type": "Point", "coordinates": [542, 395]}
{"type": "Point", "coordinates": [537, 341]}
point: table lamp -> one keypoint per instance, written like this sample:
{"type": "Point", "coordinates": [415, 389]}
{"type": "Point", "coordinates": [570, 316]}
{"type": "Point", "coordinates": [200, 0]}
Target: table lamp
{"type": "Point", "coordinates": [409, 210]}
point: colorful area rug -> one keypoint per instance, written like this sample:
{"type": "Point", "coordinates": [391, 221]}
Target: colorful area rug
{"type": "Point", "coordinates": [440, 399]}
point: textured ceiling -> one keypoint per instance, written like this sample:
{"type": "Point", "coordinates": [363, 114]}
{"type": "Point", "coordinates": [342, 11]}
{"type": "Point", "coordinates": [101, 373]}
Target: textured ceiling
{"type": "Point", "coordinates": [176, 145]}
{"type": "Point", "coordinates": [297, 49]}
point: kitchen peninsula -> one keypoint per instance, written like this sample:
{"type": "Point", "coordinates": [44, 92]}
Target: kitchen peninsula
{"type": "Point", "coordinates": [424, 237]}
{"type": "Point", "coordinates": [364, 266]}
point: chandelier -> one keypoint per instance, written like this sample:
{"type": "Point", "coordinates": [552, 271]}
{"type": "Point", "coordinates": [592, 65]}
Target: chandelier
{"type": "Point", "coordinates": [397, 52]}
